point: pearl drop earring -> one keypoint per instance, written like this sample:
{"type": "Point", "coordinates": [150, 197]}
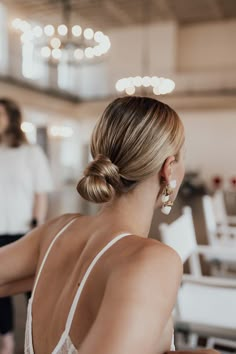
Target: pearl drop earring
{"type": "Point", "coordinates": [165, 198]}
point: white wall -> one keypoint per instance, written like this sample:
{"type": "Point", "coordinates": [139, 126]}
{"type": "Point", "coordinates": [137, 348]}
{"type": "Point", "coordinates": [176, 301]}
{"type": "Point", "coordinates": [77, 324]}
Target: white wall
{"type": "Point", "coordinates": [207, 46]}
{"type": "Point", "coordinates": [125, 57]}
{"type": "Point", "coordinates": [211, 143]}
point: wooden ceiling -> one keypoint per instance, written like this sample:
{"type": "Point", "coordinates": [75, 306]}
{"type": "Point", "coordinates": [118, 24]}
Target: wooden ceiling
{"type": "Point", "coordinates": [106, 14]}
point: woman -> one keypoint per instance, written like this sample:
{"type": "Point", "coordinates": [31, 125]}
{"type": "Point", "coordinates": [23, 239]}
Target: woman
{"type": "Point", "coordinates": [129, 282]}
{"type": "Point", "coordinates": [24, 181]}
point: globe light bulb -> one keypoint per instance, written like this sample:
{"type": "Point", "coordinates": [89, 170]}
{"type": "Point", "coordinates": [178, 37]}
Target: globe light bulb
{"type": "Point", "coordinates": [130, 90]}
{"type": "Point", "coordinates": [55, 42]}
{"type": "Point", "coordinates": [49, 30]}
{"type": "Point", "coordinates": [88, 33]}
{"type": "Point", "coordinates": [56, 54]}
{"type": "Point", "coordinates": [97, 51]}
{"type": "Point", "coordinates": [89, 52]}
{"type": "Point", "coordinates": [62, 30]}
{"type": "Point", "coordinates": [79, 54]}
{"type": "Point", "coordinates": [138, 81]}
{"type": "Point", "coordinates": [98, 36]}
{"type": "Point", "coordinates": [120, 86]}
{"type": "Point", "coordinates": [146, 81]}
{"type": "Point", "coordinates": [156, 90]}
{"type": "Point", "coordinates": [76, 31]}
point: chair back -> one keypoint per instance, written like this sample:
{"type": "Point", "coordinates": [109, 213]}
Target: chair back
{"type": "Point", "coordinates": [210, 219]}
{"type": "Point", "coordinates": [219, 207]}
{"type": "Point", "coordinates": [180, 235]}
{"type": "Point", "coordinates": [207, 305]}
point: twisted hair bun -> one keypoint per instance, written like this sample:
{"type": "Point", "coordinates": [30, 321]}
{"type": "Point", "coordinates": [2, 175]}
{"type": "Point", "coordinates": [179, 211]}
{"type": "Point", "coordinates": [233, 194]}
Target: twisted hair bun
{"type": "Point", "coordinates": [100, 182]}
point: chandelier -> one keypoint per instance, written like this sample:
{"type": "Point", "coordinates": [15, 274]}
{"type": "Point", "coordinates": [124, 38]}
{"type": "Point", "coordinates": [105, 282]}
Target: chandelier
{"type": "Point", "coordinates": [64, 43]}
{"type": "Point", "coordinates": [158, 85]}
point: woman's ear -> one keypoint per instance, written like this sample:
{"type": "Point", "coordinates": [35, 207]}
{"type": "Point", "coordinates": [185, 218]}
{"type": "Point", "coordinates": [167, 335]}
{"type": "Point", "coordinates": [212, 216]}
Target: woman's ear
{"type": "Point", "coordinates": [166, 170]}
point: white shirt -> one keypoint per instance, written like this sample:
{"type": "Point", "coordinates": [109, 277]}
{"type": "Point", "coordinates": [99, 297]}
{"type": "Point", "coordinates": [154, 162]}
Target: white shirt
{"type": "Point", "coordinates": [24, 171]}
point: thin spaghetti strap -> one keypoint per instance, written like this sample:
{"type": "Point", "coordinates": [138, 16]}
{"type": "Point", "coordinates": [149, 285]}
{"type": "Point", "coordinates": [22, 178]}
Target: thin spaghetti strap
{"type": "Point", "coordinates": [47, 253]}
{"type": "Point", "coordinates": [85, 277]}
{"type": "Point", "coordinates": [70, 317]}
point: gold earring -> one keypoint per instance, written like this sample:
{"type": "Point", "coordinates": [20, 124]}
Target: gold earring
{"type": "Point", "coordinates": [165, 198]}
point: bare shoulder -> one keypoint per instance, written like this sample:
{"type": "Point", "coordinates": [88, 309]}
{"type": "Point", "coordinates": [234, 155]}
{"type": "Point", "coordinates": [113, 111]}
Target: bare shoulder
{"type": "Point", "coordinates": [154, 264]}
{"type": "Point", "coordinates": [164, 255]}
{"type": "Point", "coordinates": [62, 219]}
{"type": "Point", "coordinates": [155, 254]}
{"type": "Point", "coordinates": [50, 228]}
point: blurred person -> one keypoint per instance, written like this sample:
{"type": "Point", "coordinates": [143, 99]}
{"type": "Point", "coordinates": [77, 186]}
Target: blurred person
{"type": "Point", "coordinates": [100, 285]}
{"type": "Point", "coordinates": [24, 180]}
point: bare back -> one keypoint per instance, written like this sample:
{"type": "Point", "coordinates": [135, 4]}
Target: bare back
{"type": "Point", "coordinates": [64, 268]}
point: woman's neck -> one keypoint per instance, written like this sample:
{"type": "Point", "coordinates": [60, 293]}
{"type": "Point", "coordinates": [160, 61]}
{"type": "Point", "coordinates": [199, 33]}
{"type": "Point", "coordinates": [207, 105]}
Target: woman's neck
{"type": "Point", "coordinates": [134, 210]}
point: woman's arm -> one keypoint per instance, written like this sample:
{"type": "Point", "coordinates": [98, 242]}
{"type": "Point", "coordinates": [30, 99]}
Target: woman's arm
{"type": "Point", "coordinates": [17, 287]}
{"type": "Point", "coordinates": [19, 259]}
{"type": "Point", "coordinates": [137, 304]}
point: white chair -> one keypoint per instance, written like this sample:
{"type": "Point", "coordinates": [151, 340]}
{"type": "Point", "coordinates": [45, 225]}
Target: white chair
{"type": "Point", "coordinates": [223, 220]}
{"type": "Point", "coordinates": [219, 233]}
{"type": "Point", "coordinates": [205, 305]}
{"type": "Point", "coordinates": [219, 230]}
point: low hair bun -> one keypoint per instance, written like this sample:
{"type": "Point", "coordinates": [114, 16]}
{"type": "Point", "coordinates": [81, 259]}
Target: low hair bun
{"type": "Point", "coordinates": [101, 180]}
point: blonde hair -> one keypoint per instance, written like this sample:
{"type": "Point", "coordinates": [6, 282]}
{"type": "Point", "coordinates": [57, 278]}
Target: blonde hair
{"type": "Point", "coordinates": [130, 142]}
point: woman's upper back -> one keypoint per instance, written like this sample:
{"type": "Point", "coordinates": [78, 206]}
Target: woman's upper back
{"type": "Point", "coordinates": [60, 276]}
{"type": "Point", "coordinates": [64, 269]}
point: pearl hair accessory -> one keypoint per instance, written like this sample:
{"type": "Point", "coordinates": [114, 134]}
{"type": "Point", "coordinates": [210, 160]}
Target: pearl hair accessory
{"type": "Point", "coordinates": [165, 198]}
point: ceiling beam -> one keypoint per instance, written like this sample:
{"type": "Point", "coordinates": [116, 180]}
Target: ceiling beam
{"type": "Point", "coordinates": [117, 12]}
{"type": "Point", "coordinates": [215, 8]}
{"type": "Point", "coordinates": [165, 9]}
